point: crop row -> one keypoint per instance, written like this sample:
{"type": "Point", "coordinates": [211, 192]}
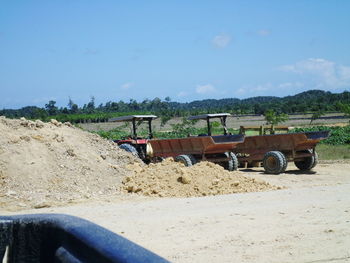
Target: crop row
{"type": "Point", "coordinates": [339, 135]}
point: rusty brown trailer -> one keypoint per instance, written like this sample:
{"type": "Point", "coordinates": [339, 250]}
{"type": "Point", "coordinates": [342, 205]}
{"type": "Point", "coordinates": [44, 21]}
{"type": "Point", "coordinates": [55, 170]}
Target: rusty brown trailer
{"type": "Point", "coordinates": [217, 149]}
{"type": "Point", "coordinates": [198, 146]}
{"type": "Point", "coordinates": [295, 147]}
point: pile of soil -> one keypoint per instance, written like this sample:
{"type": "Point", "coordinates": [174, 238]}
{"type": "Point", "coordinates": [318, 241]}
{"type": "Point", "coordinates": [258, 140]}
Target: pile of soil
{"type": "Point", "coordinates": [45, 164]}
{"type": "Point", "coordinates": [173, 179]}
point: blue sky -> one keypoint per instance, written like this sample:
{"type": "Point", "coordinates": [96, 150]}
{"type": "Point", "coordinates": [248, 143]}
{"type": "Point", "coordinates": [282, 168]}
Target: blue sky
{"type": "Point", "coordinates": [188, 50]}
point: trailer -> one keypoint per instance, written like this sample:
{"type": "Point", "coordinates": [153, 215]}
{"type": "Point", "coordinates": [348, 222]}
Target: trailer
{"type": "Point", "coordinates": [217, 149]}
{"type": "Point", "coordinates": [204, 147]}
{"type": "Point", "coordinates": [276, 150]}
{"type": "Point", "coordinates": [272, 151]}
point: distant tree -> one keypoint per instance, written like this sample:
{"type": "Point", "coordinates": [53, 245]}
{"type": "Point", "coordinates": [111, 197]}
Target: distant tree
{"type": "Point", "coordinates": [51, 108]}
{"type": "Point", "coordinates": [272, 118]}
{"type": "Point", "coordinates": [70, 103]}
{"type": "Point", "coordinates": [64, 110]}
{"type": "Point", "coordinates": [316, 115]}
{"type": "Point", "coordinates": [90, 107]}
{"type": "Point", "coordinates": [164, 118]}
{"type": "Point", "coordinates": [134, 106]}
{"type": "Point", "coordinates": [258, 109]}
{"type": "Point", "coordinates": [167, 99]}
{"type": "Point", "coordinates": [73, 108]}
{"type": "Point", "coordinates": [39, 113]}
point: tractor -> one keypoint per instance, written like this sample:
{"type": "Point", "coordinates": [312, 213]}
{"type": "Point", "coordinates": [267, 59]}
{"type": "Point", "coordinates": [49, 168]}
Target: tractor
{"type": "Point", "coordinates": [133, 143]}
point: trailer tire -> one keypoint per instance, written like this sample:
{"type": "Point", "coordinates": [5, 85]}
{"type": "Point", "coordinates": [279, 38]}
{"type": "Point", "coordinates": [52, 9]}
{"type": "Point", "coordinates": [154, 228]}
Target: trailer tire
{"type": "Point", "coordinates": [285, 162]}
{"type": "Point", "coordinates": [274, 162]}
{"type": "Point", "coordinates": [192, 158]}
{"type": "Point", "coordinates": [308, 162]}
{"type": "Point", "coordinates": [232, 164]}
{"type": "Point", "coordinates": [129, 148]}
{"type": "Point", "coordinates": [185, 159]}
{"type": "Point", "coordinates": [316, 159]}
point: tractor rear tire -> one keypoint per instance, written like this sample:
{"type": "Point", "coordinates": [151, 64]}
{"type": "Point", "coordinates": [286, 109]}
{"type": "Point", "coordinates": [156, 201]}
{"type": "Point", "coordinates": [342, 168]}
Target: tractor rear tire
{"type": "Point", "coordinates": [308, 162]}
{"type": "Point", "coordinates": [232, 163]}
{"type": "Point", "coordinates": [274, 162]}
{"type": "Point", "coordinates": [185, 159]}
{"type": "Point", "coordinates": [129, 148]}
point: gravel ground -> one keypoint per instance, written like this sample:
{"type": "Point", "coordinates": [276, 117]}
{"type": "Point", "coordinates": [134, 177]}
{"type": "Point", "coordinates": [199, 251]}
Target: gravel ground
{"type": "Point", "coordinates": [309, 221]}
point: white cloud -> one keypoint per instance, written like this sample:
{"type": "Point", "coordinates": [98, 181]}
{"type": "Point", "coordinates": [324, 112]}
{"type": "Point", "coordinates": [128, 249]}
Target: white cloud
{"type": "Point", "coordinates": [205, 89]}
{"type": "Point", "coordinates": [323, 73]}
{"type": "Point", "coordinates": [221, 41]}
{"type": "Point", "coordinates": [126, 85]}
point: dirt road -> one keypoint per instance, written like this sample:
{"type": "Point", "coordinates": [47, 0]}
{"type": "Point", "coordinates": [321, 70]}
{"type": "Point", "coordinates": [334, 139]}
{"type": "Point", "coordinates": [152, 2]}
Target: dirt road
{"type": "Point", "coordinates": [309, 221]}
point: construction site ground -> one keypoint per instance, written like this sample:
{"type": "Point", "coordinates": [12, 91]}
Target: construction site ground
{"type": "Point", "coordinates": [201, 213]}
{"type": "Point", "coordinates": [307, 221]}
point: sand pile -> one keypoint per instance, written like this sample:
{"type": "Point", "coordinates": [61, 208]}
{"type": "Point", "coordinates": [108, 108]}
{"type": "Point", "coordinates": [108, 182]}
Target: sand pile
{"type": "Point", "coordinates": [44, 164]}
{"type": "Point", "coordinates": [172, 179]}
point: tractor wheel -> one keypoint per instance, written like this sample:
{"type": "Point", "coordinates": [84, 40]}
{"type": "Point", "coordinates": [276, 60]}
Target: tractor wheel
{"type": "Point", "coordinates": [129, 148]}
{"type": "Point", "coordinates": [232, 163]}
{"type": "Point", "coordinates": [308, 162]}
{"type": "Point", "coordinates": [185, 159]}
{"type": "Point", "coordinates": [274, 162]}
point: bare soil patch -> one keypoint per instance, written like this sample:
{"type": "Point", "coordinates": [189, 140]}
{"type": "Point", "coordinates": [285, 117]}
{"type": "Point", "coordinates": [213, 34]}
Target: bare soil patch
{"type": "Point", "coordinates": [172, 179]}
{"type": "Point", "coordinates": [306, 222]}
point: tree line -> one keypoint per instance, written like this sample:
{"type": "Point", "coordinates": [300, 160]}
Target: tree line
{"type": "Point", "coordinates": [315, 101]}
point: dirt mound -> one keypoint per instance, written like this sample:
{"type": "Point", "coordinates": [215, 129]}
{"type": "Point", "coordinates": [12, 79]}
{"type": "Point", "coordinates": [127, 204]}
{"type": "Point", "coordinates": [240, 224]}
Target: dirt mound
{"type": "Point", "coordinates": [171, 179]}
{"type": "Point", "coordinates": [44, 164]}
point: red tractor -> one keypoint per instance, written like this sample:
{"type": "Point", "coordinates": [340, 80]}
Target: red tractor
{"type": "Point", "coordinates": [132, 143]}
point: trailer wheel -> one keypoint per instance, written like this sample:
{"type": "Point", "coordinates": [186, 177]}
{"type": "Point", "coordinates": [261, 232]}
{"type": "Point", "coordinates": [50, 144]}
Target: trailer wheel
{"type": "Point", "coordinates": [285, 162]}
{"type": "Point", "coordinates": [274, 162]}
{"type": "Point", "coordinates": [308, 162]}
{"type": "Point", "coordinates": [315, 160]}
{"type": "Point", "coordinates": [192, 158]}
{"type": "Point", "coordinates": [232, 163]}
{"type": "Point", "coordinates": [129, 148]}
{"type": "Point", "coordinates": [185, 159]}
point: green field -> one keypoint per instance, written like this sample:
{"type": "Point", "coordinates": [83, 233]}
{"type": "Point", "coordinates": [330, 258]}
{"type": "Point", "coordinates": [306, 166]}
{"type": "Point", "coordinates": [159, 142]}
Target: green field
{"type": "Point", "coordinates": [333, 152]}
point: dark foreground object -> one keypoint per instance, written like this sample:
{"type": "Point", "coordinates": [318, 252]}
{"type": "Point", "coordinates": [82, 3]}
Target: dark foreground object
{"type": "Point", "coordinates": [62, 238]}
